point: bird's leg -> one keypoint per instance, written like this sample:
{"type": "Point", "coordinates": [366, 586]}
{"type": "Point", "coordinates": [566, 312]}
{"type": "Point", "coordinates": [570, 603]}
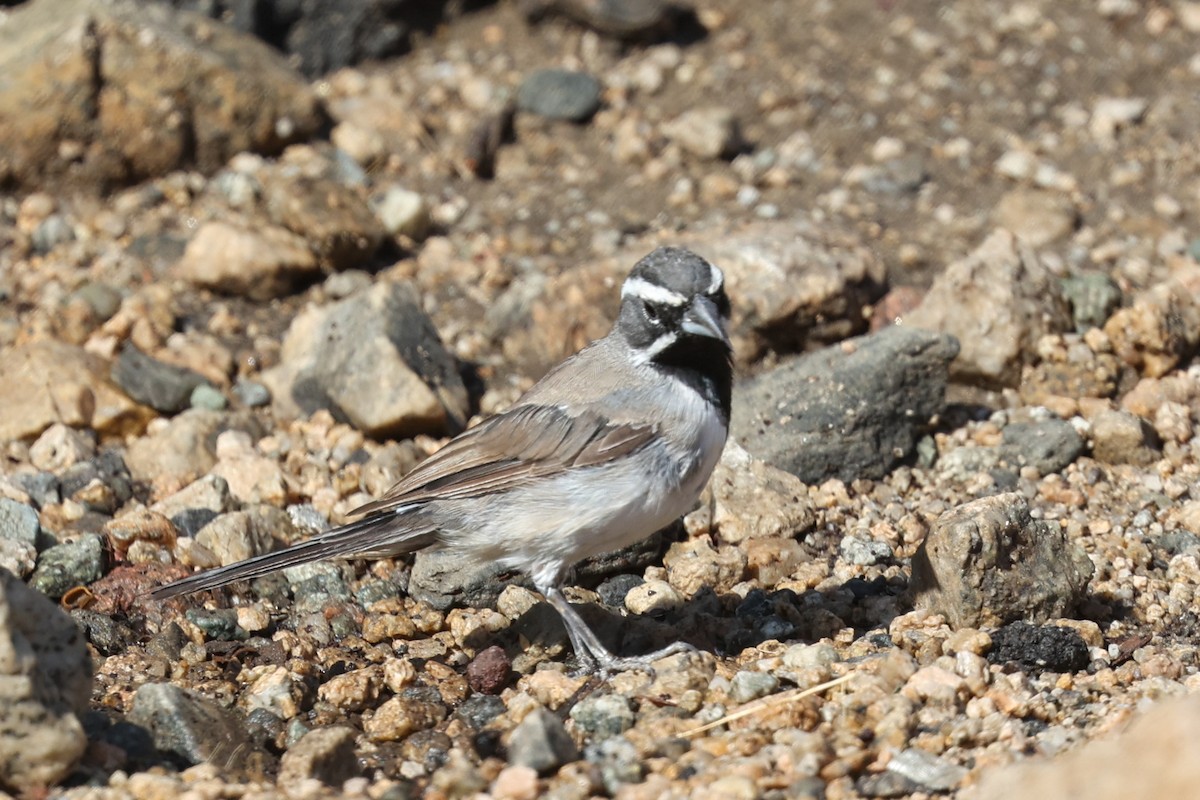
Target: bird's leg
{"type": "Point", "coordinates": [591, 652]}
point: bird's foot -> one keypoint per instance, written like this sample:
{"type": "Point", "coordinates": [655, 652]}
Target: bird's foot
{"type": "Point", "coordinates": [606, 664]}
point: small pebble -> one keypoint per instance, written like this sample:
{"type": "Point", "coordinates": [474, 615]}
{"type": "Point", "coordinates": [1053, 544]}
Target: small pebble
{"type": "Point", "coordinates": [560, 94]}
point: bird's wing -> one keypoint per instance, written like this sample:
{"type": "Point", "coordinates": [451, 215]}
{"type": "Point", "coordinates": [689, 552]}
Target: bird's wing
{"type": "Point", "coordinates": [511, 449]}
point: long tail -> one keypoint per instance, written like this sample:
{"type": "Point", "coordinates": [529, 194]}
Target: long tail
{"type": "Point", "coordinates": [377, 534]}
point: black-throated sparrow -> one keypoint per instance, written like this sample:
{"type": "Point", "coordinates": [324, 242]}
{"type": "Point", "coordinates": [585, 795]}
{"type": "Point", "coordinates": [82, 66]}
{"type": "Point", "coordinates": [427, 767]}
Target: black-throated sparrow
{"type": "Point", "coordinates": [611, 445]}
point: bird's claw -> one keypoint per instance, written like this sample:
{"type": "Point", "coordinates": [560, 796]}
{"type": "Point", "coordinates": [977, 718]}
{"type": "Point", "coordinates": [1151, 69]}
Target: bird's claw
{"type": "Point", "coordinates": [606, 665]}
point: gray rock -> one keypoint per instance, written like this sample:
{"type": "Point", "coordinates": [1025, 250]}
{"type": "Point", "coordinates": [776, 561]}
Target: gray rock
{"type": "Point", "coordinates": [50, 232]}
{"type": "Point", "coordinates": [998, 302]}
{"type": "Point", "coordinates": [1050, 445]}
{"type": "Point", "coordinates": [219, 624]}
{"type": "Point", "coordinates": [541, 742]}
{"type": "Point", "coordinates": [479, 709]}
{"type": "Point", "coordinates": [927, 770]}
{"type": "Point", "coordinates": [190, 726]}
{"type": "Point", "coordinates": [251, 393]}
{"type": "Point", "coordinates": [207, 396]}
{"type": "Point", "coordinates": [560, 94]}
{"type": "Point", "coordinates": [102, 484]}
{"type": "Point", "coordinates": [864, 552]}
{"type": "Point", "coordinates": [375, 361]}
{"type": "Point", "coordinates": [444, 580]}
{"type": "Point", "coordinates": [1093, 297]}
{"type": "Point", "coordinates": [614, 590]}
{"type": "Point", "coordinates": [314, 586]}
{"type": "Point", "coordinates": [46, 683]}
{"type": "Point", "coordinates": [634, 558]}
{"type": "Point", "coordinates": [618, 761]}
{"type": "Point", "coordinates": [884, 784]}
{"type": "Point", "coordinates": [347, 171]}
{"type": "Point", "coordinates": [106, 634]}
{"type": "Point", "coordinates": [326, 754]}
{"type": "Point", "coordinates": [42, 487]}
{"type": "Point", "coordinates": [748, 685]}
{"type": "Point", "coordinates": [177, 91]}
{"type": "Point", "coordinates": [306, 518]}
{"type": "Point", "coordinates": [895, 176]}
{"type": "Point", "coordinates": [851, 411]}
{"type": "Point", "coordinates": [65, 566]}
{"type": "Point", "coordinates": [18, 522]}
{"type": "Point", "coordinates": [163, 387]}
{"type": "Point", "coordinates": [988, 562]}
{"type": "Point", "coordinates": [104, 300]}
{"type": "Point", "coordinates": [602, 716]}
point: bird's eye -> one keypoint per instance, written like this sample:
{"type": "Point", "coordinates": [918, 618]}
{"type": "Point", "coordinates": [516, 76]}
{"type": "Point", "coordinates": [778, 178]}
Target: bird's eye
{"type": "Point", "coordinates": [652, 314]}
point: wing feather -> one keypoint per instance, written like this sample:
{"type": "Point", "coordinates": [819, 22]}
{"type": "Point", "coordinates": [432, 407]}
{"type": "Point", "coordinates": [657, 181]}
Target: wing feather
{"type": "Point", "coordinates": [520, 445]}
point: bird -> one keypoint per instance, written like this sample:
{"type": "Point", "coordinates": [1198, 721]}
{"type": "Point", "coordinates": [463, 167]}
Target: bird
{"type": "Point", "coordinates": [611, 445]}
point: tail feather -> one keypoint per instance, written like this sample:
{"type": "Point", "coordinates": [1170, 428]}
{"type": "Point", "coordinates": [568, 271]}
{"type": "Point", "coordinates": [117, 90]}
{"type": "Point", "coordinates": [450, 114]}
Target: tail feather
{"type": "Point", "coordinates": [377, 534]}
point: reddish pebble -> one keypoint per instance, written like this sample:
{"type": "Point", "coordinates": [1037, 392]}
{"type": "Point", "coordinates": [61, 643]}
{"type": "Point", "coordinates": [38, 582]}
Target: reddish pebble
{"type": "Point", "coordinates": [488, 672]}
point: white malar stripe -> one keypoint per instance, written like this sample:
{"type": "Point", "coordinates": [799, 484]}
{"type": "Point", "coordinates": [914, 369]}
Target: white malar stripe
{"type": "Point", "coordinates": [716, 280]}
{"type": "Point", "coordinates": [651, 292]}
{"type": "Point", "coordinates": [646, 355]}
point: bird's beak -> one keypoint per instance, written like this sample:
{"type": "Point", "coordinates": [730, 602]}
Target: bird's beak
{"type": "Point", "coordinates": [703, 319]}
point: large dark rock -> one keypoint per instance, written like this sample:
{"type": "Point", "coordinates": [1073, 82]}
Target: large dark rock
{"type": "Point", "coordinates": [1039, 647]}
{"type": "Point", "coordinates": [854, 410]}
{"type": "Point", "coordinates": [192, 727]}
{"type": "Point", "coordinates": [988, 563]}
{"type": "Point", "coordinates": [104, 93]}
{"type": "Point", "coordinates": [164, 387]}
{"type": "Point", "coordinates": [325, 35]}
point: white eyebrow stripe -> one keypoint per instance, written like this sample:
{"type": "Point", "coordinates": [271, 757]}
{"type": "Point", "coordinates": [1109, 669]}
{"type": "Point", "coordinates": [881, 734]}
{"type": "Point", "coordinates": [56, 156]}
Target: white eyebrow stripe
{"type": "Point", "coordinates": [716, 281]}
{"type": "Point", "coordinates": [651, 292]}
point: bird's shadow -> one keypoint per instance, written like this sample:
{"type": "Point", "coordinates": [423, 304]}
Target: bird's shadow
{"type": "Point", "coordinates": [723, 624]}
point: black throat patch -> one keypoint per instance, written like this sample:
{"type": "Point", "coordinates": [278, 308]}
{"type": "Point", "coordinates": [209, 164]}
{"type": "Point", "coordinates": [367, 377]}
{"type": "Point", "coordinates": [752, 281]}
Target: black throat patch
{"type": "Point", "coordinates": [704, 364]}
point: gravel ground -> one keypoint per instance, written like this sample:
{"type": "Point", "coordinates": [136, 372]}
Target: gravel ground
{"type": "Point", "coordinates": [962, 251]}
